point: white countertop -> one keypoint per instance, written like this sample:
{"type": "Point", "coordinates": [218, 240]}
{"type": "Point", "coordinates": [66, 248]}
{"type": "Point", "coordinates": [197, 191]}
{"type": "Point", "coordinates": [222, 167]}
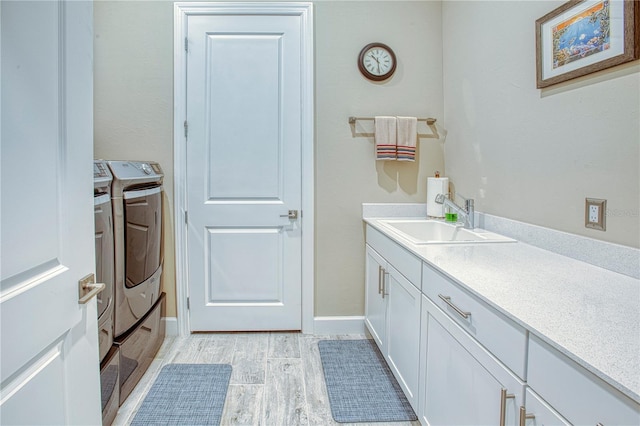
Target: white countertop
{"type": "Point", "coordinates": [590, 314]}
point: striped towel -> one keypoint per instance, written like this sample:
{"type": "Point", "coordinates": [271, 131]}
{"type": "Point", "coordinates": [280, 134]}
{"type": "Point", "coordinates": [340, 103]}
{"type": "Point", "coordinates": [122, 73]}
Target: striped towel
{"type": "Point", "coordinates": [385, 135]}
{"type": "Point", "coordinates": [407, 137]}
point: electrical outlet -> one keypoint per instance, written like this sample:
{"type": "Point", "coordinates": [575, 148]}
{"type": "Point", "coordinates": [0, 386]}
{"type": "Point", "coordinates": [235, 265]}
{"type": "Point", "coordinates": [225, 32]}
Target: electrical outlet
{"type": "Point", "coordinates": [595, 213]}
{"type": "Point", "coordinates": [594, 209]}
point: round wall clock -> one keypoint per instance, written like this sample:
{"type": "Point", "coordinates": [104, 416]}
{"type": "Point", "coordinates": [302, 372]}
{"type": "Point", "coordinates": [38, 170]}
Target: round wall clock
{"type": "Point", "coordinates": [377, 61]}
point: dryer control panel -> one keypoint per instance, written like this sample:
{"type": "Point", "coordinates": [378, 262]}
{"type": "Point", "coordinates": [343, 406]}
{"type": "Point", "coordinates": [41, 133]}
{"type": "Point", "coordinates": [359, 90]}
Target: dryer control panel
{"type": "Point", "coordinates": [100, 170]}
{"type": "Point", "coordinates": [135, 169]}
{"type": "Point", "coordinates": [101, 176]}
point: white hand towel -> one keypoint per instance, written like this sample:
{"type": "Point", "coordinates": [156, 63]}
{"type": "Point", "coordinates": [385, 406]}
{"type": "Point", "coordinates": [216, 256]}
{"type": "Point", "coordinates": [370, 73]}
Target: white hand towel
{"type": "Point", "coordinates": [407, 137]}
{"type": "Point", "coordinates": [385, 128]}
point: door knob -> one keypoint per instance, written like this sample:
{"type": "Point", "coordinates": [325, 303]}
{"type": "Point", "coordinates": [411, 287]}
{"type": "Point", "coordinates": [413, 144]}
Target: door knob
{"type": "Point", "coordinates": [87, 288]}
{"type": "Point", "coordinates": [293, 214]}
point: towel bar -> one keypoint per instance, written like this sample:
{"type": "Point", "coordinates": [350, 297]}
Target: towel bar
{"type": "Point", "coordinates": [352, 120]}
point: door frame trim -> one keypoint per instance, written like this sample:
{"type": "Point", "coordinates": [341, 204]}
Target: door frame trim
{"type": "Point", "coordinates": [182, 10]}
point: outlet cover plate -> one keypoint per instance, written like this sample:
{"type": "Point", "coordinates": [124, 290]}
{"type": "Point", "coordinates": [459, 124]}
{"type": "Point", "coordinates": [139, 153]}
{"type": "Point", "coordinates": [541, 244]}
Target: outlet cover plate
{"type": "Point", "coordinates": [595, 214]}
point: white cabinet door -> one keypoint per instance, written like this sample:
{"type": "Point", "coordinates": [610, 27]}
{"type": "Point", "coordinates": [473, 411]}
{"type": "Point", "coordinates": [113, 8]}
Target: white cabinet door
{"type": "Point", "coordinates": [540, 413]}
{"type": "Point", "coordinates": [462, 384]}
{"type": "Point", "coordinates": [403, 322]}
{"type": "Point", "coordinates": [375, 301]}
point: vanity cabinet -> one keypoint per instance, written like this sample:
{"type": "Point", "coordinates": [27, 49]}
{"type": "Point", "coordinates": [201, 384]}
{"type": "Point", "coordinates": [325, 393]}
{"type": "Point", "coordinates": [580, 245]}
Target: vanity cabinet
{"type": "Point", "coordinates": [392, 311]}
{"type": "Point", "coordinates": [460, 381]}
{"type": "Point", "coordinates": [461, 360]}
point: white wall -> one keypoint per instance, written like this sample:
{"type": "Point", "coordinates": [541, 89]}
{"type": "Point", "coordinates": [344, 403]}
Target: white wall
{"type": "Point", "coordinates": [534, 155]}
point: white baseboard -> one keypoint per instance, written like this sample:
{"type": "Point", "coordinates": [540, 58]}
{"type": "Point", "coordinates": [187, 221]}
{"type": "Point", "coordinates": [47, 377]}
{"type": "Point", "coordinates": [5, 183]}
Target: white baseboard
{"type": "Point", "coordinates": [338, 325]}
{"type": "Point", "coordinates": [321, 325]}
{"type": "Point", "coordinates": [171, 326]}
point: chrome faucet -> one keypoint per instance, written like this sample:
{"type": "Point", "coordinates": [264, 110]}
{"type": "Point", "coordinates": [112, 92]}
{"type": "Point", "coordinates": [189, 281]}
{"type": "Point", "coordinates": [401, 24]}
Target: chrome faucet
{"type": "Point", "coordinates": [467, 212]}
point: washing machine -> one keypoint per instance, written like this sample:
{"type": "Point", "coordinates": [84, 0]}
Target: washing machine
{"type": "Point", "coordinates": [136, 195]}
{"type": "Point", "coordinates": [105, 255]}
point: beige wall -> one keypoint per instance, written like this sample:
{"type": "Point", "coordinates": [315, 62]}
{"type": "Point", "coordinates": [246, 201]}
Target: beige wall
{"type": "Point", "coordinates": [346, 173]}
{"type": "Point", "coordinates": [133, 118]}
{"type": "Point", "coordinates": [534, 155]}
{"type": "Point", "coordinates": [133, 98]}
{"type": "Point", "coordinates": [522, 153]}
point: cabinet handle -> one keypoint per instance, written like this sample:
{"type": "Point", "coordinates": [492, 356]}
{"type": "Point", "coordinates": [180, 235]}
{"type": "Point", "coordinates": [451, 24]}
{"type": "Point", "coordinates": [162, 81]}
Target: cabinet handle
{"type": "Point", "coordinates": [384, 283]}
{"type": "Point", "coordinates": [380, 279]}
{"type": "Point", "coordinates": [447, 300]}
{"type": "Point", "coordinates": [503, 405]}
{"type": "Point", "coordinates": [524, 416]}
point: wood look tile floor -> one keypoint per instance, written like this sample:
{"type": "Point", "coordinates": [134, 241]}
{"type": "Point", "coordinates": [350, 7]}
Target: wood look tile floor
{"type": "Point", "coordinates": [277, 377]}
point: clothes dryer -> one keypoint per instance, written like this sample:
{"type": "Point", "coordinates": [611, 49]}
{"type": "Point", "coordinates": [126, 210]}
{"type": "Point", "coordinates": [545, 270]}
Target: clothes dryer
{"type": "Point", "coordinates": [104, 253]}
{"type": "Point", "coordinates": [136, 194]}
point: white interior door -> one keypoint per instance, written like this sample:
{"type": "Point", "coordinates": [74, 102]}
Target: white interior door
{"type": "Point", "coordinates": [244, 117]}
{"type": "Point", "coordinates": [49, 343]}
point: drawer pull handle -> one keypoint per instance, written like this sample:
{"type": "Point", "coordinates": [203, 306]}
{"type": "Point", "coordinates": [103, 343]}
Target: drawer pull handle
{"type": "Point", "coordinates": [447, 300]}
{"type": "Point", "coordinates": [380, 278]}
{"type": "Point", "coordinates": [503, 405]}
{"type": "Point", "coordinates": [524, 416]}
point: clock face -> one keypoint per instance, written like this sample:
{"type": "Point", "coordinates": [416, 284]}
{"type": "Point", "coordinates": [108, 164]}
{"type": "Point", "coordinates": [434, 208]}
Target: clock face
{"type": "Point", "coordinates": [377, 61]}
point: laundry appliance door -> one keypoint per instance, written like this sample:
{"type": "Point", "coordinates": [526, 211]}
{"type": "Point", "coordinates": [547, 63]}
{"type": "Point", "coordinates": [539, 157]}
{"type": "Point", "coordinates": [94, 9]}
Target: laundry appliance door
{"type": "Point", "coordinates": [143, 234]}
{"type": "Point", "coordinates": [142, 257]}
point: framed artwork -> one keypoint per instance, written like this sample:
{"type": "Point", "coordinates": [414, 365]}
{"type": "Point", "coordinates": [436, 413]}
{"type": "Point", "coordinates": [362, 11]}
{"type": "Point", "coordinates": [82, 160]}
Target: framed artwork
{"type": "Point", "coordinates": [585, 36]}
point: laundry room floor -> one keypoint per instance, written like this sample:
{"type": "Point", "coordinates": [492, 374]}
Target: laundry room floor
{"type": "Point", "coordinates": [277, 377]}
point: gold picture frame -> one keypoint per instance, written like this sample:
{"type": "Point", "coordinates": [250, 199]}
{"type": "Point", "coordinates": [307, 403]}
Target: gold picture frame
{"type": "Point", "coordinates": [584, 36]}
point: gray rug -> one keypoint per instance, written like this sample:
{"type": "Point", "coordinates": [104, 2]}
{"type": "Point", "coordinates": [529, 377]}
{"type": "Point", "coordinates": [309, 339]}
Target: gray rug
{"type": "Point", "coordinates": [186, 394]}
{"type": "Point", "coordinates": [360, 385]}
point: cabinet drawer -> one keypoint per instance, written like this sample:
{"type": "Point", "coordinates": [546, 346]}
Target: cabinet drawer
{"type": "Point", "coordinates": [576, 393]}
{"type": "Point", "coordinates": [409, 265]}
{"type": "Point", "coordinates": [506, 340]}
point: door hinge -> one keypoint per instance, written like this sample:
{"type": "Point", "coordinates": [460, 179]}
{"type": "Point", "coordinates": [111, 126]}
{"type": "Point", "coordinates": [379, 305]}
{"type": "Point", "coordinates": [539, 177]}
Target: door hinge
{"type": "Point", "coordinates": [186, 128]}
{"type": "Point", "coordinates": [188, 304]}
{"type": "Point", "coordinates": [186, 44]}
{"type": "Point", "coordinates": [186, 217]}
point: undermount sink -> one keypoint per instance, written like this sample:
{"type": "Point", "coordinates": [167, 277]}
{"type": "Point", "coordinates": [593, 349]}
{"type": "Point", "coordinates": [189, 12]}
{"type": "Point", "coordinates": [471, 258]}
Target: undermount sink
{"type": "Point", "coordinates": [429, 231]}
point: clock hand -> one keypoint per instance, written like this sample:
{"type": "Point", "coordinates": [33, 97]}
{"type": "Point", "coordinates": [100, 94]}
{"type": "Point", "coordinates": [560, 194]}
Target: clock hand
{"type": "Point", "coordinates": [377, 61]}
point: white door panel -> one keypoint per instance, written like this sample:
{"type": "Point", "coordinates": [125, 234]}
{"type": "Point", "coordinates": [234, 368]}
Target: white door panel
{"type": "Point", "coordinates": [246, 127]}
{"type": "Point", "coordinates": [231, 280]}
{"type": "Point", "coordinates": [244, 171]}
{"type": "Point", "coordinates": [34, 384]}
{"type": "Point", "coordinates": [49, 346]}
